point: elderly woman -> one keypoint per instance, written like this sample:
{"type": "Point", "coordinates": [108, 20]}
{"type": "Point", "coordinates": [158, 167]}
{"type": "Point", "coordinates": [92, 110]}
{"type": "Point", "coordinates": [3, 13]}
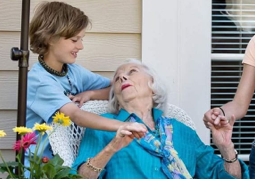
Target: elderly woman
{"type": "Point", "coordinates": [168, 150]}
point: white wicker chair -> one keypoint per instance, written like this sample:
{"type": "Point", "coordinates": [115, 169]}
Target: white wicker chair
{"type": "Point", "coordinates": [65, 141]}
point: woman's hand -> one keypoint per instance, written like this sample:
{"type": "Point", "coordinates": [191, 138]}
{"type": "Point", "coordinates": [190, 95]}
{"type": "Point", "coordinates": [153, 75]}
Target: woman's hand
{"type": "Point", "coordinates": [222, 139]}
{"type": "Point", "coordinates": [213, 116]}
{"type": "Point", "coordinates": [222, 133]}
{"type": "Point", "coordinates": [126, 133]}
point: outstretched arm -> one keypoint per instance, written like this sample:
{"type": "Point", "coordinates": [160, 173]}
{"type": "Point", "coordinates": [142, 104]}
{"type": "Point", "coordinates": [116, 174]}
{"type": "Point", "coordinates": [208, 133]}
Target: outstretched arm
{"type": "Point", "coordinates": [239, 106]}
{"type": "Point", "coordinates": [89, 120]}
{"type": "Point", "coordinates": [242, 99]}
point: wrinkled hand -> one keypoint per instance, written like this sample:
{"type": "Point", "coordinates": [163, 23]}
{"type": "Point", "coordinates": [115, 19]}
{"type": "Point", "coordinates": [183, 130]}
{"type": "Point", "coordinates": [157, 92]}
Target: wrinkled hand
{"type": "Point", "coordinates": [81, 98]}
{"type": "Point", "coordinates": [126, 133]}
{"type": "Point", "coordinates": [222, 133]}
{"type": "Point", "coordinates": [214, 116]}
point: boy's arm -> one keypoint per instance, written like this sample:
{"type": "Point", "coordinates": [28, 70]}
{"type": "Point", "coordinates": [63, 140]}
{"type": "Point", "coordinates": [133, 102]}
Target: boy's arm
{"type": "Point", "coordinates": [89, 120]}
{"type": "Point", "coordinates": [100, 94]}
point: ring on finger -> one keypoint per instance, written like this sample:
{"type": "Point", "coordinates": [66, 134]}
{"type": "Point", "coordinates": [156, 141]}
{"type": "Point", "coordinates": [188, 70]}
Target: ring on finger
{"type": "Point", "coordinates": [122, 135]}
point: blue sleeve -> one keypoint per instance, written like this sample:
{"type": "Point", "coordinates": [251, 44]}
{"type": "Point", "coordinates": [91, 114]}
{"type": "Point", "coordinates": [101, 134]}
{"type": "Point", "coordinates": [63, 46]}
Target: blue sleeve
{"type": "Point", "coordinates": [92, 81]}
{"type": "Point", "coordinates": [45, 97]}
{"type": "Point", "coordinates": [92, 143]}
{"type": "Point", "coordinates": [199, 158]}
{"type": "Point", "coordinates": [211, 166]}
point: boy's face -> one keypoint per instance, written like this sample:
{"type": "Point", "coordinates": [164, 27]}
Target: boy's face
{"type": "Point", "coordinates": [65, 50]}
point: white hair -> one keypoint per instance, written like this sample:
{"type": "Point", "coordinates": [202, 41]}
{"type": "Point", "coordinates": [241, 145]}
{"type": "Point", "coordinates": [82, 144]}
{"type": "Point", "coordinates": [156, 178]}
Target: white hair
{"type": "Point", "coordinates": [158, 88]}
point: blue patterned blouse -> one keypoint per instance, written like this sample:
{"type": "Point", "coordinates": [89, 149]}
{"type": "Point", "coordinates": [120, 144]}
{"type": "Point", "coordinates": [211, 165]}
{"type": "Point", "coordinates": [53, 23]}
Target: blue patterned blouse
{"type": "Point", "coordinates": [134, 162]}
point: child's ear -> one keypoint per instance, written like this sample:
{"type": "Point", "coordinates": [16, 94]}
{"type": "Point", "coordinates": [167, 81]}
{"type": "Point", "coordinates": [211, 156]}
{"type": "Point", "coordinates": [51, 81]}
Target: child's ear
{"type": "Point", "coordinates": [50, 42]}
{"type": "Point", "coordinates": [53, 40]}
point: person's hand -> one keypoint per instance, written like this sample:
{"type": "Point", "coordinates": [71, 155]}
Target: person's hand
{"type": "Point", "coordinates": [222, 133]}
{"type": "Point", "coordinates": [213, 116]}
{"type": "Point", "coordinates": [126, 133]}
{"type": "Point", "coordinates": [81, 97]}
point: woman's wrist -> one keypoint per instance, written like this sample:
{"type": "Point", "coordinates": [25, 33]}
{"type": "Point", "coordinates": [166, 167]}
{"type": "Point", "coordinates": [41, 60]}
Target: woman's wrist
{"type": "Point", "coordinates": [110, 149]}
{"type": "Point", "coordinates": [232, 159]}
{"type": "Point", "coordinates": [228, 152]}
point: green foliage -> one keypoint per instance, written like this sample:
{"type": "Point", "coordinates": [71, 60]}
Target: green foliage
{"type": "Point", "coordinates": [54, 169]}
{"type": "Point", "coordinates": [40, 167]}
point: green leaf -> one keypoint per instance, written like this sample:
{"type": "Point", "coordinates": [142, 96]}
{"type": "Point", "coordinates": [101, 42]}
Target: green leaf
{"type": "Point", "coordinates": [63, 173]}
{"type": "Point", "coordinates": [13, 164]}
{"type": "Point", "coordinates": [74, 176]}
{"type": "Point", "coordinates": [56, 160]}
{"type": "Point", "coordinates": [49, 170]}
{"type": "Point", "coordinates": [44, 176]}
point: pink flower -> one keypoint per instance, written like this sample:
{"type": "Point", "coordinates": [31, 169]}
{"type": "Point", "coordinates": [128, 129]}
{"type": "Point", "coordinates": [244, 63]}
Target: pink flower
{"type": "Point", "coordinates": [28, 139]}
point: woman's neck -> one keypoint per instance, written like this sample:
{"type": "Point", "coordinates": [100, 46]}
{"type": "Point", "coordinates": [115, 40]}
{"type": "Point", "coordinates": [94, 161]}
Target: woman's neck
{"type": "Point", "coordinates": [143, 109]}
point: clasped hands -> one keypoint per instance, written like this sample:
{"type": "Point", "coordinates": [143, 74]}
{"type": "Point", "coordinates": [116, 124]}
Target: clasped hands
{"type": "Point", "coordinates": [220, 126]}
{"type": "Point", "coordinates": [126, 133]}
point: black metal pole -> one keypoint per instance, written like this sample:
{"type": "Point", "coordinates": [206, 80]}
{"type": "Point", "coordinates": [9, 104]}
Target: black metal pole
{"type": "Point", "coordinates": [23, 63]}
{"type": "Point", "coordinates": [23, 56]}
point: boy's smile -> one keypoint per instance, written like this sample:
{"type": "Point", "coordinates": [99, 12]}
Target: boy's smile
{"type": "Point", "coordinates": [63, 51]}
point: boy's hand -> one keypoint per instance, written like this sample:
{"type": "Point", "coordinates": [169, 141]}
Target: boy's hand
{"type": "Point", "coordinates": [81, 97]}
{"type": "Point", "coordinates": [126, 133]}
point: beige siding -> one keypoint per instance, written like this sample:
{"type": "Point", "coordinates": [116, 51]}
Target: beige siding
{"type": "Point", "coordinates": [102, 52]}
{"type": "Point", "coordinates": [9, 89]}
{"type": "Point", "coordinates": [8, 121]}
{"type": "Point", "coordinates": [115, 36]}
{"type": "Point", "coordinates": [113, 16]}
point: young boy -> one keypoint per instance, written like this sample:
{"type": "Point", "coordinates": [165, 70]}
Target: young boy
{"type": "Point", "coordinates": [56, 33]}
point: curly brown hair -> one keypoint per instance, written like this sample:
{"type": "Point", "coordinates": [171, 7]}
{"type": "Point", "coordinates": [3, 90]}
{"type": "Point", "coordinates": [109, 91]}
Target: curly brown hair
{"type": "Point", "coordinates": [53, 20]}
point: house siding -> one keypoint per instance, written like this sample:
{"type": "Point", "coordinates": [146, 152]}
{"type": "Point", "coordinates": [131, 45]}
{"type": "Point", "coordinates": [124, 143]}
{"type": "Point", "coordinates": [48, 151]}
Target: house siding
{"type": "Point", "coordinates": [115, 35]}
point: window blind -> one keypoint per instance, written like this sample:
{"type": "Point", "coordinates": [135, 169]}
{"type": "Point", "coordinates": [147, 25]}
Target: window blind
{"type": "Point", "coordinates": [224, 81]}
{"type": "Point", "coordinates": [233, 25]}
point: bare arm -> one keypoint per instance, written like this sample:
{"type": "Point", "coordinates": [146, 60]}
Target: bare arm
{"type": "Point", "coordinates": [239, 106]}
{"type": "Point", "coordinates": [89, 120]}
{"type": "Point", "coordinates": [100, 94]}
{"type": "Point", "coordinates": [233, 169]}
{"type": "Point", "coordinates": [222, 139]}
{"type": "Point", "coordinates": [98, 161]}
{"type": "Point", "coordinates": [123, 138]}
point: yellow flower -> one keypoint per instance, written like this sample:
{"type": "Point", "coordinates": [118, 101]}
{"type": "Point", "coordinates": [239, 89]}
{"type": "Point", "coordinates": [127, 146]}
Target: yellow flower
{"type": "Point", "coordinates": [42, 127]}
{"type": "Point", "coordinates": [60, 118]}
{"type": "Point", "coordinates": [22, 130]}
{"type": "Point", "coordinates": [2, 133]}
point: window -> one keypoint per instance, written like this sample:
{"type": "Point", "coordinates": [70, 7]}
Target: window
{"type": "Point", "coordinates": [233, 25]}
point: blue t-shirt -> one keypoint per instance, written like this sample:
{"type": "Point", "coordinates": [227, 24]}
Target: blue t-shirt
{"type": "Point", "coordinates": [134, 161]}
{"type": "Point", "coordinates": [46, 93]}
